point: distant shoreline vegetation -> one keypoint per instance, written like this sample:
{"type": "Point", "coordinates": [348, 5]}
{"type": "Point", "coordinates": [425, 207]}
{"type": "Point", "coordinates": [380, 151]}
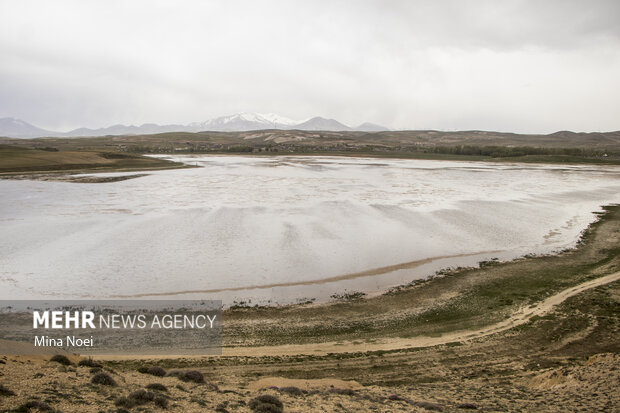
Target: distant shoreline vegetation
{"type": "Point", "coordinates": [467, 152]}
{"type": "Point", "coordinates": [125, 153]}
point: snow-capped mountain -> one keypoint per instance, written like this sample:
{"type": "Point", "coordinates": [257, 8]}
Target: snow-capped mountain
{"type": "Point", "coordinates": [244, 121]}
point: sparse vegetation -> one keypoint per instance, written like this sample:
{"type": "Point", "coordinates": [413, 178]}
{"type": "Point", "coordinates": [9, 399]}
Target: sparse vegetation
{"type": "Point", "coordinates": [157, 387]}
{"type": "Point", "coordinates": [152, 370]}
{"type": "Point", "coordinates": [161, 402]}
{"type": "Point", "coordinates": [295, 391]}
{"type": "Point", "coordinates": [188, 376]}
{"type": "Point", "coordinates": [89, 362]}
{"type": "Point", "coordinates": [62, 359]}
{"type": "Point", "coordinates": [20, 159]}
{"type": "Point", "coordinates": [103, 378]}
{"type": "Point", "coordinates": [124, 152]}
{"type": "Point", "coordinates": [348, 296]}
{"type": "Point", "coordinates": [140, 397]}
{"type": "Point", "coordinates": [560, 361]}
{"type": "Point", "coordinates": [266, 403]}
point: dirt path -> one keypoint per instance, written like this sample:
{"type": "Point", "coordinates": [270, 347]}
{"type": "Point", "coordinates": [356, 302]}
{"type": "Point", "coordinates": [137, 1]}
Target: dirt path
{"type": "Point", "coordinates": [521, 316]}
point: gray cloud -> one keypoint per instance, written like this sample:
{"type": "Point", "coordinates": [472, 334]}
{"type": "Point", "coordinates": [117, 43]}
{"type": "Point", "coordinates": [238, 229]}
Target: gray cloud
{"type": "Point", "coordinates": [513, 65]}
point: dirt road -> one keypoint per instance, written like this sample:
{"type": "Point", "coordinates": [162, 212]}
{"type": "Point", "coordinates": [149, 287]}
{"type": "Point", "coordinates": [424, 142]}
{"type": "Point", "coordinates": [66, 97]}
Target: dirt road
{"type": "Point", "coordinates": [521, 316]}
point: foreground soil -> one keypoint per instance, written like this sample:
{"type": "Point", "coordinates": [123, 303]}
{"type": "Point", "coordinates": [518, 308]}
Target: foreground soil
{"type": "Point", "coordinates": [551, 343]}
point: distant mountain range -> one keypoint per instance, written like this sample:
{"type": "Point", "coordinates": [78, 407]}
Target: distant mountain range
{"type": "Point", "coordinates": [245, 121]}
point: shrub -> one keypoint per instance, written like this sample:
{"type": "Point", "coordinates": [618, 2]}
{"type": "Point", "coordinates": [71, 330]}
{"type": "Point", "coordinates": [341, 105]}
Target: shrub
{"type": "Point", "coordinates": [152, 370]}
{"type": "Point", "coordinates": [295, 391]}
{"type": "Point", "coordinates": [103, 378]}
{"type": "Point", "coordinates": [140, 397]}
{"type": "Point", "coordinates": [156, 371]}
{"type": "Point", "coordinates": [125, 402]}
{"type": "Point", "coordinates": [135, 398]}
{"type": "Point", "coordinates": [190, 375]}
{"type": "Point", "coordinates": [6, 392]}
{"type": "Point", "coordinates": [89, 362]}
{"type": "Point", "coordinates": [266, 403]}
{"type": "Point", "coordinates": [193, 376]}
{"type": "Point", "coordinates": [157, 387]}
{"type": "Point", "coordinates": [59, 358]}
{"type": "Point", "coordinates": [467, 406]}
{"type": "Point", "coordinates": [160, 402]}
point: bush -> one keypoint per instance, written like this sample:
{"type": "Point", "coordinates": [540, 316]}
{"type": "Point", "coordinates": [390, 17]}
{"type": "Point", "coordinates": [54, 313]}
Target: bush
{"type": "Point", "coordinates": [152, 370]}
{"type": "Point", "coordinates": [160, 402]}
{"type": "Point", "coordinates": [140, 397]}
{"type": "Point", "coordinates": [6, 392]}
{"type": "Point", "coordinates": [125, 402]}
{"type": "Point", "coordinates": [295, 391]}
{"type": "Point", "coordinates": [156, 371]}
{"type": "Point", "coordinates": [59, 358]}
{"type": "Point", "coordinates": [193, 376]}
{"type": "Point", "coordinates": [266, 403]}
{"type": "Point", "coordinates": [467, 406]}
{"type": "Point", "coordinates": [104, 379]}
{"type": "Point", "coordinates": [89, 362]}
{"type": "Point", "coordinates": [135, 398]}
{"type": "Point", "coordinates": [190, 375]}
{"type": "Point", "coordinates": [157, 387]}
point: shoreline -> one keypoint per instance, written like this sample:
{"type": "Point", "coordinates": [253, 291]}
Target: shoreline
{"type": "Point", "coordinates": [350, 276]}
{"type": "Point", "coordinates": [66, 174]}
{"type": "Point", "coordinates": [561, 350]}
{"type": "Point", "coordinates": [455, 279]}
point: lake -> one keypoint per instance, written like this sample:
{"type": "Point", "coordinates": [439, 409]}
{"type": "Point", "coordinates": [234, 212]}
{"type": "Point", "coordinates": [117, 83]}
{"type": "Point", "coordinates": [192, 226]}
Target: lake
{"type": "Point", "coordinates": [285, 229]}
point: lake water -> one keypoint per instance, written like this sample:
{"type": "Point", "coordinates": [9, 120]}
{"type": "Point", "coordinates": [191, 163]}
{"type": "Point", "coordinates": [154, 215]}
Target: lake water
{"type": "Point", "coordinates": [285, 228]}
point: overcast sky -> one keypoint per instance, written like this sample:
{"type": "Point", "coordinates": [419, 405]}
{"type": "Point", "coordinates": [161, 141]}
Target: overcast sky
{"type": "Point", "coordinates": [523, 66]}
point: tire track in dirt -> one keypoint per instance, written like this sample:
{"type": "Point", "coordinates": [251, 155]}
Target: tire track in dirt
{"type": "Point", "coordinates": [521, 316]}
